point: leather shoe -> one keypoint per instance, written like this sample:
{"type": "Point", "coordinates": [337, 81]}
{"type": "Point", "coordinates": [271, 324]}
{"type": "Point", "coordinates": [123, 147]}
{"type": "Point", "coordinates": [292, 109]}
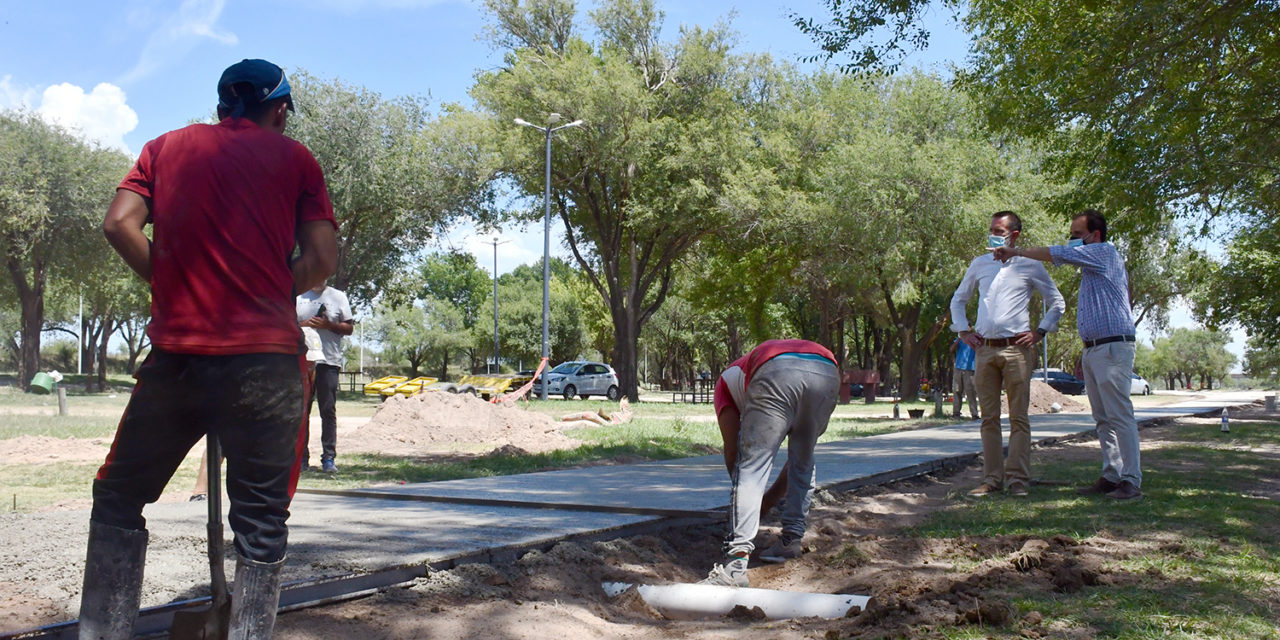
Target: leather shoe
{"type": "Point", "coordinates": [1018, 490]}
{"type": "Point", "coordinates": [1126, 491]}
{"type": "Point", "coordinates": [1101, 485]}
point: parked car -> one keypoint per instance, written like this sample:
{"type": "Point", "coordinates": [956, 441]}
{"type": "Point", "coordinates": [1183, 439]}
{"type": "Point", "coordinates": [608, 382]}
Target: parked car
{"type": "Point", "coordinates": [1061, 381]}
{"type": "Point", "coordinates": [580, 378]}
{"type": "Point", "coordinates": [1138, 386]}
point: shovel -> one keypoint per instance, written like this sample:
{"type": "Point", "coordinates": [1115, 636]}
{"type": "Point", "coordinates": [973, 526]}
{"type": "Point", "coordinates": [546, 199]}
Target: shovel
{"type": "Point", "coordinates": [211, 623]}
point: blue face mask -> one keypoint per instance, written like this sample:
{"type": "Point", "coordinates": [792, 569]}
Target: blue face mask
{"type": "Point", "coordinates": [995, 242]}
{"type": "Point", "coordinates": [1075, 242]}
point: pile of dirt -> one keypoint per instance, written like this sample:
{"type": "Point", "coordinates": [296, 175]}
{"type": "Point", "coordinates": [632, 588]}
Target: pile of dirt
{"type": "Point", "coordinates": [45, 450]}
{"type": "Point", "coordinates": [437, 422]}
{"type": "Point", "coordinates": [1043, 398]}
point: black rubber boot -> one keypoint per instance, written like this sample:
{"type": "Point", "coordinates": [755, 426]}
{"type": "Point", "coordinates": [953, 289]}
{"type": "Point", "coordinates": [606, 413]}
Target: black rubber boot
{"type": "Point", "coordinates": [254, 599]}
{"type": "Point", "coordinates": [112, 582]}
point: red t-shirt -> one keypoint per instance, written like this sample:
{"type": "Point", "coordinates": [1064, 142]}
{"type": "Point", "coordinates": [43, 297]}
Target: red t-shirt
{"type": "Point", "coordinates": [763, 353]}
{"type": "Point", "coordinates": [226, 201]}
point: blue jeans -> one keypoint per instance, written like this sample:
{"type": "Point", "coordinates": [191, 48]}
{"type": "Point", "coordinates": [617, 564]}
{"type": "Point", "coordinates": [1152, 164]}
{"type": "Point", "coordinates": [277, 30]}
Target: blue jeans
{"type": "Point", "coordinates": [787, 398]}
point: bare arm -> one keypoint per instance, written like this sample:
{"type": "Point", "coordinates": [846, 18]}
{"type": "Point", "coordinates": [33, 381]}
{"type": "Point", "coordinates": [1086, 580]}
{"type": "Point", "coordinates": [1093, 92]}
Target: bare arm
{"type": "Point", "coordinates": [730, 422]}
{"type": "Point", "coordinates": [319, 258]}
{"type": "Point", "coordinates": [123, 225]}
{"type": "Point", "coordinates": [344, 328]}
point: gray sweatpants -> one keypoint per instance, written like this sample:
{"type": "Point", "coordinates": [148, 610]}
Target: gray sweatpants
{"type": "Point", "coordinates": [787, 398]}
{"type": "Point", "coordinates": [1108, 369]}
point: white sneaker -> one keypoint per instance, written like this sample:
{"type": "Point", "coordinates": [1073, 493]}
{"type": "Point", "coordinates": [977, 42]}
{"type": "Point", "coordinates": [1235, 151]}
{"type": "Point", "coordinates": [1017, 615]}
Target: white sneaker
{"type": "Point", "coordinates": [730, 574]}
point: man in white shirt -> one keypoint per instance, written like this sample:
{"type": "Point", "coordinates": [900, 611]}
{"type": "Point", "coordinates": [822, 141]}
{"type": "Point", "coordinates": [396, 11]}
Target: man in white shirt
{"type": "Point", "coordinates": [1004, 342]}
{"type": "Point", "coordinates": [326, 311]}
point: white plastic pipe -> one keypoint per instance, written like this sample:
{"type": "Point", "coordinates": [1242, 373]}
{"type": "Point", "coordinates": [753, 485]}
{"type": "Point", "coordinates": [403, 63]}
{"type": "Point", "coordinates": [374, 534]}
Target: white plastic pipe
{"type": "Point", "coordinates": [693, 601]}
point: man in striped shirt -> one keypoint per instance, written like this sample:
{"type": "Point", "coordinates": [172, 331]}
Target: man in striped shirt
{"type": "Point", "coordinates": [1105, 323]}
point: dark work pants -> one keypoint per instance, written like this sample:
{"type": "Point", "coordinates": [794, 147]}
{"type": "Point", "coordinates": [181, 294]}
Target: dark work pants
{"type": "Point", "coordinates": [254, 405]}
{"type": "Point", "coordinates": [326, 393]}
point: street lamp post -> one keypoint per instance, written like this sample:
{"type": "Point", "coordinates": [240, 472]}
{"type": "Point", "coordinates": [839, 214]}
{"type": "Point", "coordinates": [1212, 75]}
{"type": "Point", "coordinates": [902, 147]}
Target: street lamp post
{"type": "Point", "coordinates": [548, 130]}
{"type": "Point", "coordinates": [495, 305]}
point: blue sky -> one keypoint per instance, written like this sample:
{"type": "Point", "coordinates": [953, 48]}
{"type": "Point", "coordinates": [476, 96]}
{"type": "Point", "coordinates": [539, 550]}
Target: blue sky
{"type": "Point", "coordinates": [124, 72]}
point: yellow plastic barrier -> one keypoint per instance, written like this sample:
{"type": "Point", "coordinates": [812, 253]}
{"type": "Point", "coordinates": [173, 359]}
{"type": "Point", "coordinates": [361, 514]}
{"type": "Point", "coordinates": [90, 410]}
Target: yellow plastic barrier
{"type": "Point", "coordinates": [375, 388]}
{"type": "Point", "coordinates": [411, 387]}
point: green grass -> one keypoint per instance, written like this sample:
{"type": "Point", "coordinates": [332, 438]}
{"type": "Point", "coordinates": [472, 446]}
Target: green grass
{"type": "Point", "coordinates": [1220, 577]}
{"type": "Point", "coordinates": [57, 426]}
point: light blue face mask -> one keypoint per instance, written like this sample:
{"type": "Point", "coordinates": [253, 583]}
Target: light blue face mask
{"type": "Point", "coordinates": [995, 242]}
{"type": "Point", "coordinates": [1075, 242]}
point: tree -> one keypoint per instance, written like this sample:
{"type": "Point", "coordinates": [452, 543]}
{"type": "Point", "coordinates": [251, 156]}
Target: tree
{"type": "Point", "coordinates": [1189, 354]}
{"type": "Point", "coordinates": [1158, 109]}
{"type": "Point", "coordinates": [1174, 98]}
{"type": "Point", "coordinates": [396, 177]}
{"type": "Point", "coordinates": [454, 277]}
{"type": "Point", "coordinates": [423, 333]}
{"type": "Point", "coordinates": [905, 184]}
{"type": "Point", "coordinates": [54, 190]}
{"type": "Point", "coordinates": [1240, 288]}
{"type": "Point", "coordinates": [638, 185]}
{"type": "Point", "coordinates": [1262, 361]}
{"type": "Point", "coordinates": [520, 315]}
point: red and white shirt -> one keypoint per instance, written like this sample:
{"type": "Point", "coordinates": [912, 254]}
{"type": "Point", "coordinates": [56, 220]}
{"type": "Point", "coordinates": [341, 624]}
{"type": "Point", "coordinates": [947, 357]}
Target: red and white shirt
{"type": "Point", "coordinates": [731, 388]}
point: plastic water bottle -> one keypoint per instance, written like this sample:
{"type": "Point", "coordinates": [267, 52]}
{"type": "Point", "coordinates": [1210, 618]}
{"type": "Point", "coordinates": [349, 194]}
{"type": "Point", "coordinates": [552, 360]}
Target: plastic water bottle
{"type": "Point", "coordinates": [1226, 428]}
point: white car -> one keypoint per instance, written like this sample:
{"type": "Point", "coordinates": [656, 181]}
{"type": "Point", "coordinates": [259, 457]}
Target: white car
{"type": "Point", "coordinates": [1138, 386]}
{"type": "Point", "coordinates": [583, 379]}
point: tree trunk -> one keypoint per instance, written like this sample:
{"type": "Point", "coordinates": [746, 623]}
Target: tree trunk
{"type": "Point", "coordinates": [444, 366]}
{"type": "Point", "coordinates": [31, 301]}
{"type": "Point", "coordinates": [102, 352]}
{"type": "Point", "coordinates": [626, 328]}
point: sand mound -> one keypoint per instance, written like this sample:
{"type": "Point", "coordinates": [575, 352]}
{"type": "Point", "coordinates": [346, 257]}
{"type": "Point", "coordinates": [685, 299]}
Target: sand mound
{"type": "Point", "coordinates": [436, 422]}
{"type": "Point", "coordinates": [43, 450]}
{"type": "Point", "coordinates": [1042, 398]}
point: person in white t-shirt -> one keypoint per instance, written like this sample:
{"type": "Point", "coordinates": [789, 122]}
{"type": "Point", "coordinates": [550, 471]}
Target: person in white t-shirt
{"type": "Point", "coordinates": [325, 311]}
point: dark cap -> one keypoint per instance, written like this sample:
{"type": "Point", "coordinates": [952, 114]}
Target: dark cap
{"type": "Point", "coordinates": [268, 82]}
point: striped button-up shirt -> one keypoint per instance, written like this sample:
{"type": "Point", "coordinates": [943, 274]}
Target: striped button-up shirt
{"type": "Point", "coordinates": [1102, 309]}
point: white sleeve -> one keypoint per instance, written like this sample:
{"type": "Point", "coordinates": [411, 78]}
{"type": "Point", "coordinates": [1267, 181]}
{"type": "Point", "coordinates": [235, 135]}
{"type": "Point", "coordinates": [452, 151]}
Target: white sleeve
{"type": "Point", "coordinates": [960, 300]}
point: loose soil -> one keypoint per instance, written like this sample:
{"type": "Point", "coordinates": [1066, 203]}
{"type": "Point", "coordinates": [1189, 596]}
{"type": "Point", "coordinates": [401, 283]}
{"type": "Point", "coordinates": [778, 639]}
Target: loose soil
{"type": "Point", "coordinates": [1043, 397]}
{"type": "Point", "coordinates": [439, 422]}
{"type": "Point", "coordinates": [855, 544]}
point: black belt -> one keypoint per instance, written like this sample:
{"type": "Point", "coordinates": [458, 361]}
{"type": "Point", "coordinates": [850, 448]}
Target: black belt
{"type": "Point", "coordinates": [1094, 343]}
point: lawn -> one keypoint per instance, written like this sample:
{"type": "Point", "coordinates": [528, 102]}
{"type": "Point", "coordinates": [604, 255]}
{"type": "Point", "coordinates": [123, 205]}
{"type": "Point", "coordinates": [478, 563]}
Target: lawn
{"type": "Point", "coordinates": [1203, 546]}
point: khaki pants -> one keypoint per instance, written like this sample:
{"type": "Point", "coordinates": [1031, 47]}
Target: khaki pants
{"type": "Point", "coordinates": [964, 387]}
{"type": "Point", "coordinates": [1107, 368]}
{"type": "Point", "coordinates": [1007, 368]}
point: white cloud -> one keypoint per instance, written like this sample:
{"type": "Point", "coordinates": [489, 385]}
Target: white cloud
{"type": "Point", "coordinates": [179, 33]}
{"type": "Point", "coordinates": [102, 115]}
{"type": "Point", "coordinates": [15, 97]}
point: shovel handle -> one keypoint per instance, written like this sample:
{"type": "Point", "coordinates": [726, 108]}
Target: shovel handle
{"type": "Point", "coordinates": [217, 574]}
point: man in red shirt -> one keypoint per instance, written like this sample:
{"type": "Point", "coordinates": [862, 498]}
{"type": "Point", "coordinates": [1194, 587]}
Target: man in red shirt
{"type": "Point", "coordinates": [228, 203]}
{"type": "Point", "coordinates": [782, 389]}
